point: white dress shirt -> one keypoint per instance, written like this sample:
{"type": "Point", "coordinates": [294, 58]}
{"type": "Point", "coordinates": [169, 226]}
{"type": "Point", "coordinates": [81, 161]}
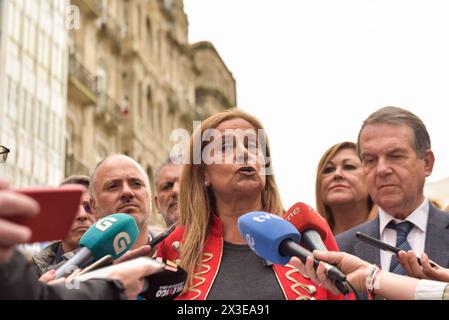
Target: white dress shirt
{"type": "Point", "coordinates": [416, 238]}
{"type": "Point", "coordinates": [431, 290]}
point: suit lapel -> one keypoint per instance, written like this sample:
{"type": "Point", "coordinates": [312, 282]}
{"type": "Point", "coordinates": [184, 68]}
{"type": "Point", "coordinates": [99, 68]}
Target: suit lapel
{"type": "Point", "coordinates": [365, 251]}
{"type": "Point", "coordinates": [437, 236]}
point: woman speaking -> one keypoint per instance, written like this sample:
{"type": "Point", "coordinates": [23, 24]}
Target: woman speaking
{"type": "Point", "coordinates": [227, 175]}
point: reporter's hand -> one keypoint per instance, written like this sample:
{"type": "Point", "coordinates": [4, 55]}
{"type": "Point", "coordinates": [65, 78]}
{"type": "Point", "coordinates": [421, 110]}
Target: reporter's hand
{"type": "Point", "coordinates": [13, 205]}
{"type": "Point", "coordinates": [355, 269]}
{"type": "Point", "coordinates": [426, 271]}
{"type": "Point", "coordinates": [48, 276]}
{"type": "Point", "coordinates": [132, 278]}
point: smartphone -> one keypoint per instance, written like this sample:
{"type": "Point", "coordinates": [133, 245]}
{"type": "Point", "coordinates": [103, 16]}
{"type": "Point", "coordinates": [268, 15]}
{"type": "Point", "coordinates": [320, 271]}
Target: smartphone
{"type": "Point", "coordinates": [58, 210]}
{"type": "Point", "coordinates": [162, 236]}
{"type": "Point", "coordinates": [103, 262]}
{"type": "Point", "coordinates": [386, 247]}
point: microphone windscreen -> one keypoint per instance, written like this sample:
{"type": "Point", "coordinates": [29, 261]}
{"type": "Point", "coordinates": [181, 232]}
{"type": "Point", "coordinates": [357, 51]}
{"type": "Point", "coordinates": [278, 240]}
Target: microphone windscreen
{"type": "Point", "coordinates": [264, 232]}
{"type": "Point", "coordinates": [166, 284]}
{"type": "Point", "coordinates": [112, 235]}
{"type": "Point", "coordinates": [304, 218]}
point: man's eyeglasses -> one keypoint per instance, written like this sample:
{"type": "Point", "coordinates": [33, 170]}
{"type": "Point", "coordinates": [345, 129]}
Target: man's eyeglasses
{"type": "Point", "coordinates": [3, 154]}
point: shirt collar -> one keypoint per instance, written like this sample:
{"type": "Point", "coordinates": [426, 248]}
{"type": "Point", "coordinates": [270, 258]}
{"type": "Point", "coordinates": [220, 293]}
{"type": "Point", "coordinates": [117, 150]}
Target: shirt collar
{"type": "Point", "coordinates": [418, 217]}
{"type": "Point", "coordinates": [59, 253]}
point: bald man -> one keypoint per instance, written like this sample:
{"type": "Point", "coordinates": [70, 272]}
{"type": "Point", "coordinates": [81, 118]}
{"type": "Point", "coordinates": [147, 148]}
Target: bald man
{"type": "Point", "coordinates": [120, 184]}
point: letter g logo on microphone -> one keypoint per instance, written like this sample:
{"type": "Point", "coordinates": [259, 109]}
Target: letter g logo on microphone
{"type": "Point", "coordinates": [105, 223]}
{"type": "Point", "coordinates": [121, 242]}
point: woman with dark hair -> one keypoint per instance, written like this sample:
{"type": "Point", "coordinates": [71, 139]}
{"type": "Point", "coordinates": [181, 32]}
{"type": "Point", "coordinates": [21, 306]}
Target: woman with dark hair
{"type": "Point", "coordinates": [341, 193]}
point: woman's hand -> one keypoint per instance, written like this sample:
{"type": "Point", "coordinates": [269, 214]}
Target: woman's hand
{"type": "Point", "coordinates": [355, 269]}
{"type": "Point", "coordinates": [426, 271]}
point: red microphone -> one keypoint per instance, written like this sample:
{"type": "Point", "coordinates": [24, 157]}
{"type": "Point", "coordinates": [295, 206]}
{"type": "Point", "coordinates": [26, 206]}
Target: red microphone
{"type": "Point", "coordinates": [312, 226]}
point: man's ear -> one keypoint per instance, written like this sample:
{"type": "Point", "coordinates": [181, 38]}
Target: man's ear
{"type": "Point", "coordinates": [93, 206]}
{"type": "Point", "coordinates": [429, 161]}
{"type": "Point", "coordinates": [157, 204]}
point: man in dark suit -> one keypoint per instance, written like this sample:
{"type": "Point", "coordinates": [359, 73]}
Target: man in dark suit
{"type": "Point", "coordinates": [395, 150]}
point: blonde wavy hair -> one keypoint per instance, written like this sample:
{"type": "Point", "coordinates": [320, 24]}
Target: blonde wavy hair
{"type": "Point", "coordinates": [321, 207]}
{"type": "Point", "coordinates": [197, 202]}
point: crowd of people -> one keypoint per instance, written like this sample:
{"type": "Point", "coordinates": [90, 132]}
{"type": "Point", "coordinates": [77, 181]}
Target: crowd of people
{"type": "Point", "coordinates": [374, 186]}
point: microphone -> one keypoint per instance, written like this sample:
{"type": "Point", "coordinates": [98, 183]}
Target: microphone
{"type": "Point", "coordinates": [112, 235]}
{"type": "Point", "coordinates": [276, 239]}
{"type": "Point", "coordinates": [166, 284]}
{"type": "Point", "coordinates": [310, 224]}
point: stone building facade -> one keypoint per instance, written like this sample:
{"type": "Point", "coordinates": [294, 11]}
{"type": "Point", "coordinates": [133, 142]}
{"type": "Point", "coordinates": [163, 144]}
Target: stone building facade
{"type": "Point", "coordinates": [133, 78]}
{"type": "Point", "coordinates": [33, 90]}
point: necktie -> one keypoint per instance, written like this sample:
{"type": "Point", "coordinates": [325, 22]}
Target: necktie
{"type": "Point", "coordinates": [402, 230]}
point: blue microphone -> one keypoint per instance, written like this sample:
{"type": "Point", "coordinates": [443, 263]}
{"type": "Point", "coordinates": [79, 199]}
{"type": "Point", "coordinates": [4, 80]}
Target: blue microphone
{"type": "Point", "coordinates": [264, 232]}
{"type": "Point", "coordinates": [112, 235]}
{"type": "Point", "coordinates": [276, 240]}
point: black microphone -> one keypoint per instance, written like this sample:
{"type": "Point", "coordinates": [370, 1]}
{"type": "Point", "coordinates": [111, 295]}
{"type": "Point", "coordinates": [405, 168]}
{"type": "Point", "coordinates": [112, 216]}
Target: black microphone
{"type": "Point", "coordinates": [166, 284]}
{"type": "Point", "coordinates": [165, 281]}
{"type": "Point", "coordinates": [290, 248]}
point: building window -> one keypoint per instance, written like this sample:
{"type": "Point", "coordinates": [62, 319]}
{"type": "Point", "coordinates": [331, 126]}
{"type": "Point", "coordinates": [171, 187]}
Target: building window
{"type": "Point", "coordinates": [21, 104]}
{"type": "Point", "coordinates": [43, 128]}
{"type": "Point", "coordinates": [43, 55]}
{"type": "Point", "coordinates": [149, 35]}
{"type": "Point", "coordinates": [140, 99]}
{"type": "Point", "coordinates": [101, 84]}
{"type": "Point", "coordinates": [139, 22]}
{"type": "Point", "coordinates": [12, 100]}
{"type": "Point", "coordinates": [29, 110]}
{"type": "Point", "coordinates": [16, 23]}
{"type": "Point", "coordinates": [55, 58]}
{"type": "Point", "coordinates": [149, 104]}
{"type": "Point", "coordinates": [50, 119]}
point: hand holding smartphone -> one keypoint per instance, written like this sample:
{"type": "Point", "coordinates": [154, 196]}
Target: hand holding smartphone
{"type": "Point", "coordinates": [386, 247]}
{"type": "Point", "coordinates": [58, 209]}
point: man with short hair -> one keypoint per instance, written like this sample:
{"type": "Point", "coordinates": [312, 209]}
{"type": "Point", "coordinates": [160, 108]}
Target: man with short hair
{"type": "Point", "coordinates": [18, 281]}
{"type": "Point", "coordinates": [62, 250]}
{"type": "Point", "coordinates": [166, 182]}
{"type": "Point", "coordinates": [119, 184]}
{"type": "Point", "coordinates": [395, 150]}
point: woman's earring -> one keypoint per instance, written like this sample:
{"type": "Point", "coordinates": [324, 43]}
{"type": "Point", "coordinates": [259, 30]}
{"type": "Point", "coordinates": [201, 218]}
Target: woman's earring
{"type": "Point", "coordinates": [206, 183]}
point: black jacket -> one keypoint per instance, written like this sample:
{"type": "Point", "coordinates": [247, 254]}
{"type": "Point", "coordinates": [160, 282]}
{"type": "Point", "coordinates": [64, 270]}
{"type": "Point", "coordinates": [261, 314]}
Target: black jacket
{"type": "Point", "coordinates": [18, 281]}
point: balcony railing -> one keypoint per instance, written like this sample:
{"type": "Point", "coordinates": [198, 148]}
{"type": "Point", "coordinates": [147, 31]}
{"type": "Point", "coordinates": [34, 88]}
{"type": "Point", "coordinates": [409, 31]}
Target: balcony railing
{"type": "Point", "coordinates": [106, 21]}
{"type": "Point", "coordinates": [109, 111]}
{"type": "Point", "coordinates": [115, 29]}
{"type": "Point", "coordinates": [85, 80]}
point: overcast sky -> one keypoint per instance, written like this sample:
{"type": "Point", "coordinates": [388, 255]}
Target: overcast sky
{"type": "Point", "coordinates": [312, 71]}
